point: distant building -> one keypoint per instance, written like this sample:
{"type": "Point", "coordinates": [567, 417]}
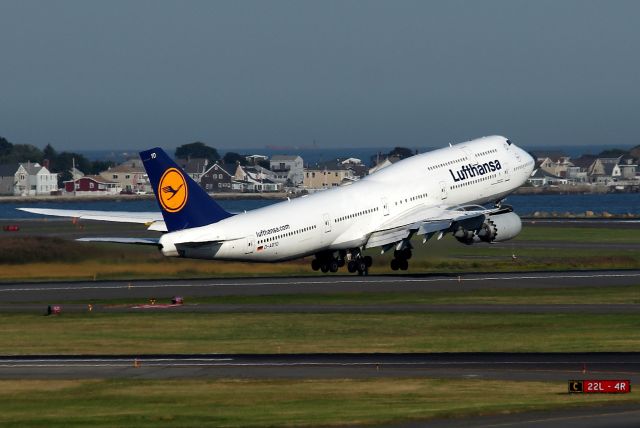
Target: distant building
{"type": "Point", "coordinates": [256, 179]}
{"type": "Point", "coordinates": [605, 170]}
{"type": "Point", "coordinates": [92, 184]}
{"type": "Point", "coordinates": [555, 163]}
{"type": "Point", "coordinates": [194, 167]}
{"type": "Point", "coordinates": [383, 164]}
{"type": "Point", "coordinates": [218, 178]}
{"type": "Point", "coordinates": [287, 168]}
{"type": "Point", "coordinates": [324, 176]}
{"type": "Point", "coordinates": [8, 181]}
{"type": "Point", "coordinates": [32, 179]}
{"type": "Point", "coordinates": [541, 178]}
{"type": "Point", "coordinates": [130, 176]}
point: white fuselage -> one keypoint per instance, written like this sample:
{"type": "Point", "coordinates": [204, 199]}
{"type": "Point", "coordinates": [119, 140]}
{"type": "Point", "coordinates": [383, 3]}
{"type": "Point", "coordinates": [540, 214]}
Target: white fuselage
{"type": "Point", "coordinates": [475, 172]}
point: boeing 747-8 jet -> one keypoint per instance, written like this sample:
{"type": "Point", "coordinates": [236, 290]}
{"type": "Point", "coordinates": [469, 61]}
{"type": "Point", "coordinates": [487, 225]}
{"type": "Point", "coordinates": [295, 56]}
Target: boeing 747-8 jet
{"type": "Point", "coordinates": [431, 194]}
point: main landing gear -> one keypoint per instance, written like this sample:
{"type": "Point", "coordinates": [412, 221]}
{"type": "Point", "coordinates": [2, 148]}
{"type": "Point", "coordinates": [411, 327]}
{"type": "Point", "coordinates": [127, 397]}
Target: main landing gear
{"type": "Point", "coordinates": [401, 259]}
{"type": "Point", "coordinates": [329, 261]}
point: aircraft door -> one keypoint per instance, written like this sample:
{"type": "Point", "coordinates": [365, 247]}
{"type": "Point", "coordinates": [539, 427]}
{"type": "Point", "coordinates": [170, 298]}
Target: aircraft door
{"type": "Point", "coordinates": [505, 169]}
{"type": "Point", "coordinates": [250, 244]}
{"type": "Point", "coordinates": [385, 206]}
{"type": "Point", "coordinates": [443, 190]}
{"type": "Point", "coordinates": [327, 222]}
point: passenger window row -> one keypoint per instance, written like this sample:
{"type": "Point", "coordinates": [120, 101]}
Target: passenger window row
{"type": "Point", "coordinates": [452, 162]}
{"type": "Point", "coordinates": [412, 198]}
{"type": "Point", "coordinates": [284, 235]}
{"type": "Point", "coordinates": [354, 215]}
{"type": "Point", "coordinates": [477, 180]}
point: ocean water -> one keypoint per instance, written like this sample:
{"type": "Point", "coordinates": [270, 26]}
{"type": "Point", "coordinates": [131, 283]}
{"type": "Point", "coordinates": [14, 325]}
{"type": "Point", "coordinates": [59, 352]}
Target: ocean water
{"type": "Point", "coordinates": [615, 203]}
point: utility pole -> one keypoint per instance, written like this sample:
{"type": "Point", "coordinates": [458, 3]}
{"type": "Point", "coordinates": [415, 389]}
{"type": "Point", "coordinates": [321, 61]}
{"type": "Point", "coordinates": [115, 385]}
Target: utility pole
{"type": "Point", "coordinates": [73, 174]}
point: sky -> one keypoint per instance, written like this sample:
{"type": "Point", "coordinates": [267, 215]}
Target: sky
{"type": "Point", "coordinates": [237, 74]}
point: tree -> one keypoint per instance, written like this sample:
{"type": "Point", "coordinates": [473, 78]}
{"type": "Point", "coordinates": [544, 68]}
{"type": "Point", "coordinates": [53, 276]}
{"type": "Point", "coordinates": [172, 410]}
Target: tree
{"type": "Point", "coordinates": [401, 152]}
{"type": "Point", "coordinates": [612, 153]}
{"type": "Point", "coordinates": [64, 162]}
{"type": "Point", "coordinates": [98, 166]}
{"type": "Point", "coordinates": [22, 153]}
{"type": "Point", "coordinates": [232, 157]}
{"type": "Point", "coordinates": [5, 147]}
{"type": "Point", "coordinates": [50, 153]}
{"type": "Point", "coordinates": [197, 150]}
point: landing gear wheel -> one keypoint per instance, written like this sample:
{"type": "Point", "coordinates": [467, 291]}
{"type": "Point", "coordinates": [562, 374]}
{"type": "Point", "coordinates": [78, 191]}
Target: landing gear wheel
{"type": "Point", "coordinates": [351, 266]}
{"type": "Point", "coordinates": [315, 264]}
{"type": "Point", "coordinates": [406, 254]}
{"type": "Point", "coordinates": [368, 261]}
{"type": "Point", "coordinates": [324, 268]}
{"type": "Point", "coordinates": [394, 264]}
{"type": "Point", "coordinates": [333, 266]}
{"type": "Point", "coordinates": [404, 265]}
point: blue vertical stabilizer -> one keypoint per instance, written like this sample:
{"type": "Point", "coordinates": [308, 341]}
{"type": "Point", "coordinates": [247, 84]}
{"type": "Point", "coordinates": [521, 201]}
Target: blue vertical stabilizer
{"type": "Point", "coordinates": [184, 204]}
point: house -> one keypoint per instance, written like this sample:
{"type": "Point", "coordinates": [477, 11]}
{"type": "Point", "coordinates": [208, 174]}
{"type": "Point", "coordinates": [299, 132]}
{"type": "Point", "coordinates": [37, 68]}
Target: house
{"type": "Point", "coordinates": [32, 179]}
{"type": "Point", "coordinates": [218, 178]}
{"type": "Point", "coordinates": [130, 176]}
{"type": "Point", "coordinates": [287, 168]}
{"type": "Point", "coordinates": [628, 168]}
{"type": "Point", "coordinates": [92, 184]}
{"type": "Point", "coordinates": [605, 170]}
{"type": "Point", "coordinates": [579, 171]}
{"type": "Point", "coordinates": [541, 178]}
{"type": "Point", "coordinates": [194, 167]}
{"type": "Point", "coordinates": [8, 178]}
{"type": "Point", "coordinates": [383, 164]}
{"type": "Point", "coordinates": [256, 179]}
{"type": "Point", "coordinates": [555, 163]}
{"type": "Point", "coordinates": [256, 159]}
{"type": "Point", "coordinates": [327, 175]}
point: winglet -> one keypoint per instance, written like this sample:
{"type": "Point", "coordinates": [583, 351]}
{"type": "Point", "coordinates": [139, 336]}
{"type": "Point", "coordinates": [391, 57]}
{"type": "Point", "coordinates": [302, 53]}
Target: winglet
{"type": "Point", "coordinates": [184, 204]}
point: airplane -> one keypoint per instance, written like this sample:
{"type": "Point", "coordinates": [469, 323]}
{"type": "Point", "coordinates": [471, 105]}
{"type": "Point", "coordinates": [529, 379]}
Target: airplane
{"type": "Point", "coordinates": [431, 194]}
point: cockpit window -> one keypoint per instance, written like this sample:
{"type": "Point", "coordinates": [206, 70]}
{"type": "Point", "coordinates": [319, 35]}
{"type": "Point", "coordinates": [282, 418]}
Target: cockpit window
{"type": "Point", "coordinates": [509, 142]}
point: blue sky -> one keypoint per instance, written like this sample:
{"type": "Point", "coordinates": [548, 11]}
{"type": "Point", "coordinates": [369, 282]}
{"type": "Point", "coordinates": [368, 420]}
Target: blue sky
{"type": "Point", "coordinates": [237, 74]}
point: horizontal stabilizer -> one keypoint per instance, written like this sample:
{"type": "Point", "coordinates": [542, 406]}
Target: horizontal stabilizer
{"type": "Point", "coordinates": [137, 241]}
{"type": "Point", "coordinates": [152, 219]}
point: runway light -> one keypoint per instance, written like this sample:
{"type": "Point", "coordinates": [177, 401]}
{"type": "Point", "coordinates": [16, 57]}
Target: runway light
{"type": "Point", "coordinates": [54, 310]}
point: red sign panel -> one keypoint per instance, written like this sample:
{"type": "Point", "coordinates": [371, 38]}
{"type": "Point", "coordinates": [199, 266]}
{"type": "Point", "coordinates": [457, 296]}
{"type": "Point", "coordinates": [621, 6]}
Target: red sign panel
{"type": "Point", "coordinates": [602, 386]}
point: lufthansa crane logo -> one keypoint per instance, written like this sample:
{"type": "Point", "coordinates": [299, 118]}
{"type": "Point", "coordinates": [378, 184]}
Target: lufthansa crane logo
{"type": "Point", "coordinates": [172, 190]}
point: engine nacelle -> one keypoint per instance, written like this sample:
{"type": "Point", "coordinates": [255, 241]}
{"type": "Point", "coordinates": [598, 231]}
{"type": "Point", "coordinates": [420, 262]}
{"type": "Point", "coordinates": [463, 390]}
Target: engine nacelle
{"type": "Point", "coordinates": [500, 227]}
{"type": "Point", "coordinates": [494, 228]}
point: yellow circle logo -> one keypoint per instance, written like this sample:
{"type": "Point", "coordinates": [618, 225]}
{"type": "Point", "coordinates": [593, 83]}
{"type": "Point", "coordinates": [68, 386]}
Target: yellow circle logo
{"type": "Point", "coordinates": [172, 190]}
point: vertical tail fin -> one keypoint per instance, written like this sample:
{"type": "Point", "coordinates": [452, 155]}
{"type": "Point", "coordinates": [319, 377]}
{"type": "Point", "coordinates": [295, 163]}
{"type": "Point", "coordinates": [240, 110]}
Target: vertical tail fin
{"type": "Point", "coordinates": [184, 204]}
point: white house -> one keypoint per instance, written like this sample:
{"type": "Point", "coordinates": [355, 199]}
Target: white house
{"type": "Point", "coordinates": [33, 179]}
{"type": "Point", "coordinates": [287, 168]}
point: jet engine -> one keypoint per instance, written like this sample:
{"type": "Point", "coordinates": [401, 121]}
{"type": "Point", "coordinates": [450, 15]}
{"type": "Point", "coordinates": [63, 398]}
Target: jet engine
{"type": "Point", "coordinates": [494, 228]}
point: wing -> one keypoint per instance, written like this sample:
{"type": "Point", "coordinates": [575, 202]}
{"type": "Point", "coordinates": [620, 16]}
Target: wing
{"type": "Point", "coordinates": [153, 220]}
{"type": "Point", "coordinates": [428, 221]}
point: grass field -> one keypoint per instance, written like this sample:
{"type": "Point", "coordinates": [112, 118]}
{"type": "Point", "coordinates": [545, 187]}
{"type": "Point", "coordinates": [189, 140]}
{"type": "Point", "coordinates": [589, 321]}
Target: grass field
{"type": "Point", "coordinates": [44, 258]}
{"type": "Point", "coordinates": [253, 403]}
{"type": "Point", "coordinates": [488, 296]}
{"type": "Point", "coordinates": [146, 333]}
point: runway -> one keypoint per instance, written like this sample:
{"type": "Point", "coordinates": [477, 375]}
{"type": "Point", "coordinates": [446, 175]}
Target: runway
{"type": "Point", "coordinates": [62, 292]}
{"type": "Point", "coordinates": [502, 366]}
